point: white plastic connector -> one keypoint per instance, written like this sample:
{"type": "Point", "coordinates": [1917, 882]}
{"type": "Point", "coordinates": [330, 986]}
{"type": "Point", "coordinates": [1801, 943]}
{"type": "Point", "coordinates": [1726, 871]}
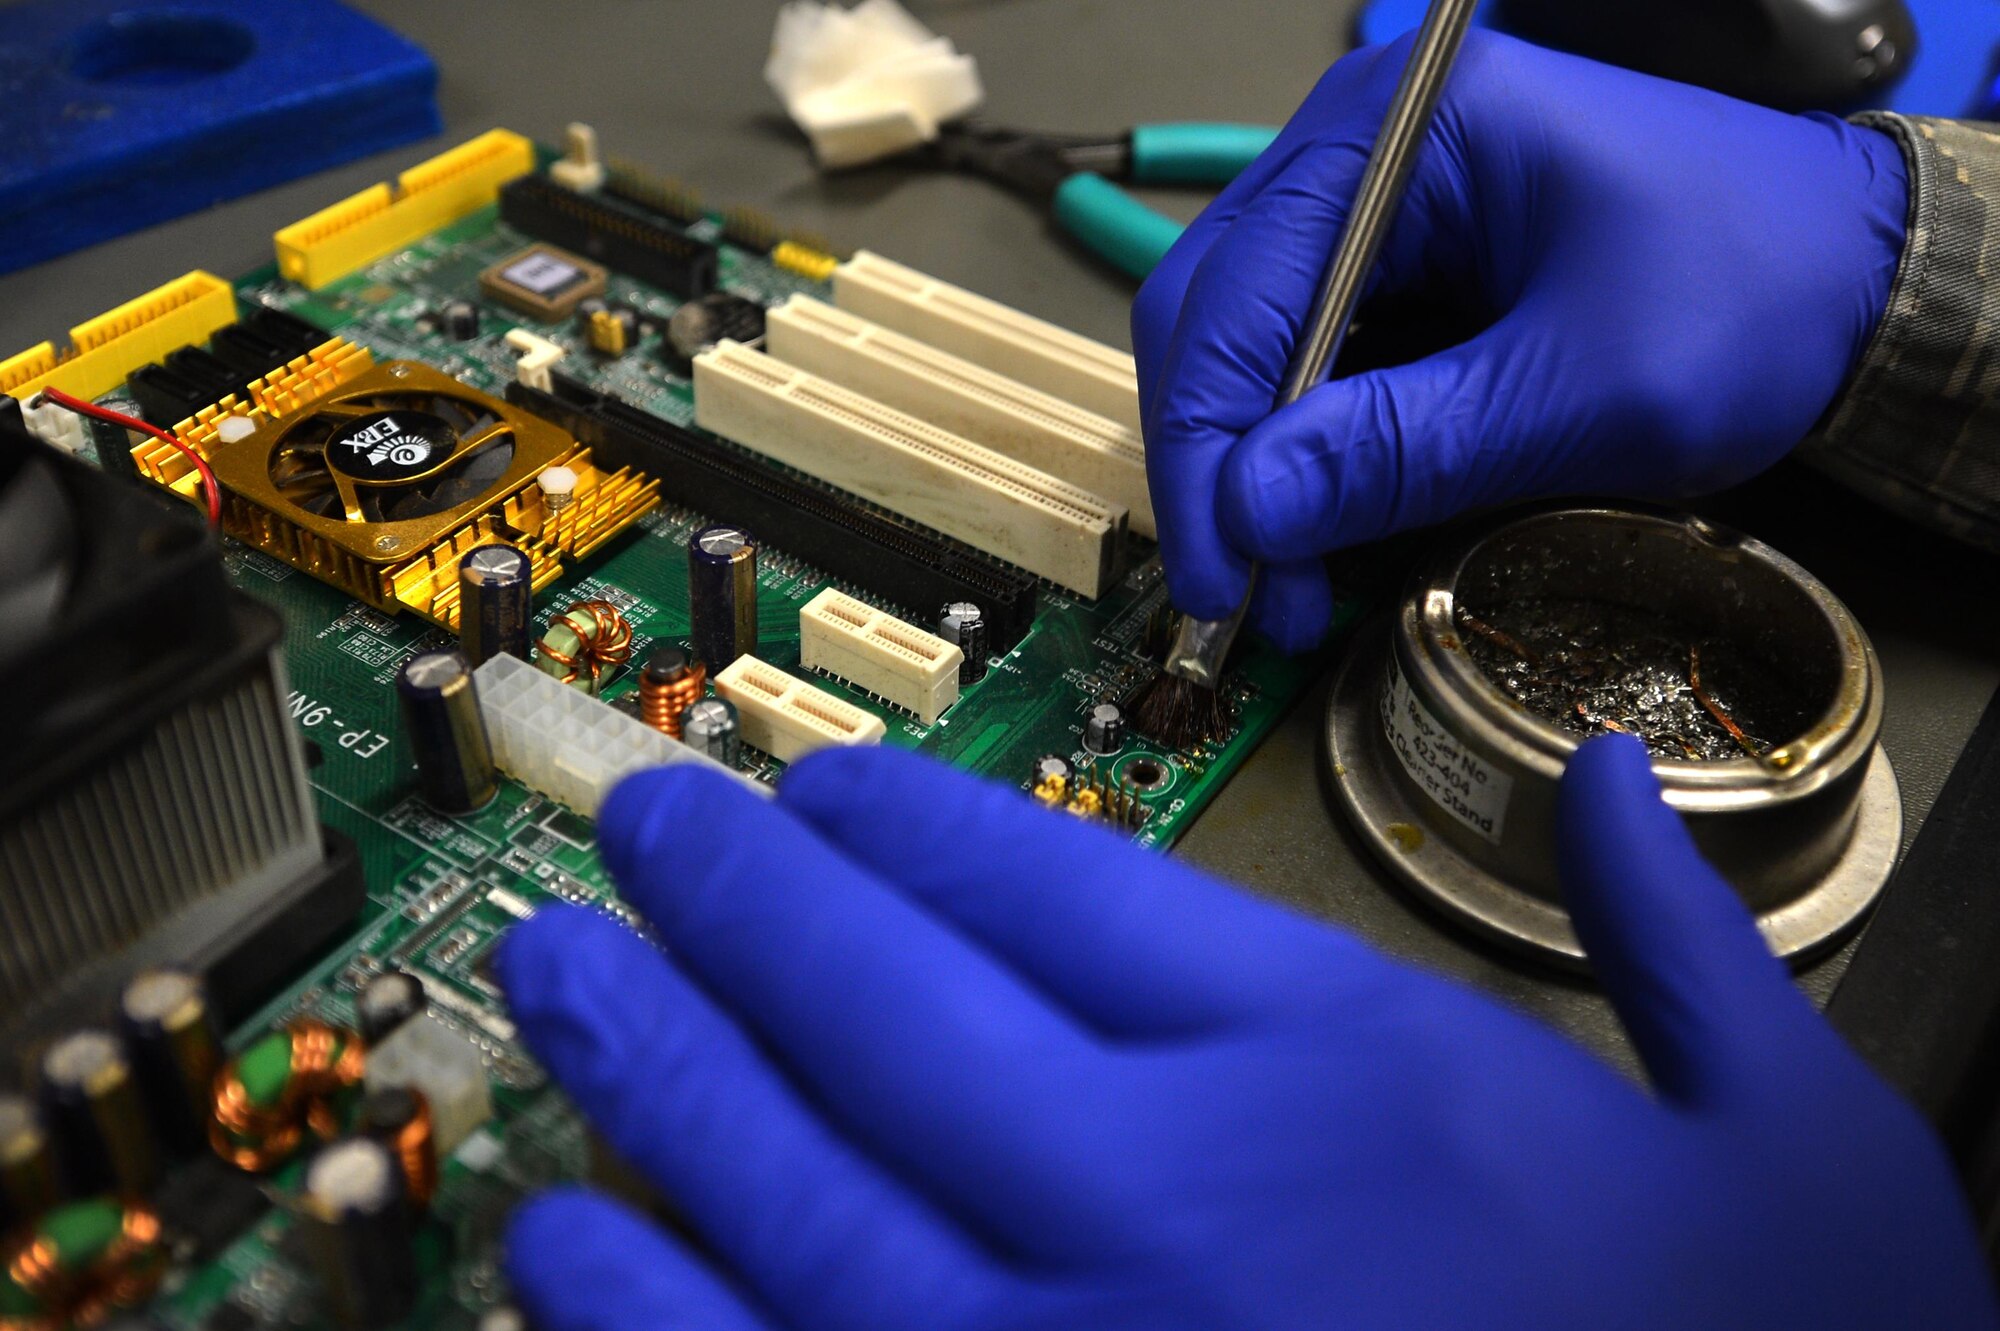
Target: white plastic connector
{"type": "Point", "coordinates": [536, 357]}
{"type": "Point", "coordinates": [1028, 425]}
{"type": "Point", "coordinates": [877, 652]}
{"type": "Point", "coordinates": [53, 424]}
{"type": "Point", "coordinates": [565, 743]}
{"type": "Point", "coordinates": [867, 82]}
{"type": "Point", "coordinates": [789, 718]}
{"type": "Point", "coordinates": [1024, 516]}
{"type": "Point", "coordinates": [1039, 354]}
{"type": "Point", "coordinates": [425, 1054]}
{"type": "Point", "coordinates": [580, 167]}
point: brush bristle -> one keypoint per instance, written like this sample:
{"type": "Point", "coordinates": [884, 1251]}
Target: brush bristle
{"type": "Point", "coordinates": [1178, 713]}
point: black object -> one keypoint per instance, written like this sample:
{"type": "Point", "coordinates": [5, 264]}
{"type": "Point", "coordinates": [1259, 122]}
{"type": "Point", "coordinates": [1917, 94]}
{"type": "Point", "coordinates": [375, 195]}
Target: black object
{"type": "Point", "coordinates": [1921, 998]}
{"type": "Point", "coordinates": [170, 1034]}
{"type": "Point", "coordinates": [90, 1101]}
{"type": "Point", "coordinates": [1104, 729]}
{"type": "Point", "coordinates": [1032, 163]}
{"type": "Point", "coordinates": [1795, 55]}
{"type": "Point", "coordinates": [386, 1002]}
{"type": "Point", "coordinates": [175, 388]}
{"type": "Point", "coordinates": [205, 1204]}
{"type": "Point", "coordinates": [615, 235]}
{"type": "Point", "coordinates": [354, 1213]}
{"type": "Point", "coordinates": [496, 586]}
{"type": "Point", "coordinates": [888, 557]}
{"type": "Point", "coordinates": [700, 324]}
{"type": "Point", "coordinates": [722, 595]}
{"type": "Point", "coordinates": [459, 320]}
{"type": "Point", "coordinates": [964, 623]}
{"type": "Point", "coordinates": [124, 587]}
{"type": "Point", "coordinates": [441, 719]}
{"type": "Point", "coordinates": [710, 726]}
{"type": "Point", "coordinates": [30, 1180]}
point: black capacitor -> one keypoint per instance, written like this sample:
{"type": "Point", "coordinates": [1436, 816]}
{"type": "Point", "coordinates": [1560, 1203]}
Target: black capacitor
{"type": "Point", "coordinates": [29, 1181]}
{"type": "Point", "coordinates": [1104, 729]}
{"type": "Point", "coordinates": [171, 1036]}
{"type": "Point", "coordinates": [710, 726]}
{"type": "Point", "coordinates": [354, 1214]}
{"type": "Point", "coordinates": [722, 595]}
{"type": "Point", "coordinates": [459, 320]}
{"type": "Point", "coordinates": [496, 588]}
{"type": "Point", "coordinates": [386, 1002]}
{"type": "Point", "coordinates": [963, 623]}
{"type": "Point", "coordinates": [700, 324]}
{"type": "Point", "coordinates": [91, 1103]}
{"type": "Point", "coordinates": [441, 717]}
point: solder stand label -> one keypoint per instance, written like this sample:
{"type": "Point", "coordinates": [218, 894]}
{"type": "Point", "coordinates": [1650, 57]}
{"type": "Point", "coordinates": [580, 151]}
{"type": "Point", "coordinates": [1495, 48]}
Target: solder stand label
{"type": "Point", "coordinates": [1457, 780]}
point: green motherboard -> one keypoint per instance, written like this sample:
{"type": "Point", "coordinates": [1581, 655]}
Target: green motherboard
{"type": "Point", "coordinates": [441, 891]}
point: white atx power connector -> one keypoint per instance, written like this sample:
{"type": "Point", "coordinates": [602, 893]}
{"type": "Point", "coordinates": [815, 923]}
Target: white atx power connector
{"type": "Point", "coordinates": [880, 654]}
{"type": "Point", "coordinates": [1067, 365]}
{"type": "Point", "coordinates": [866, 82]}
{"type": "Point", "coordinates": [566, 744]}
{"type": "Point", "coordinates": [1005, 415]}
{"type": "Point", "coordinates": [1024, 516]}
{"type": "Point", "coordinates": [789, 718]}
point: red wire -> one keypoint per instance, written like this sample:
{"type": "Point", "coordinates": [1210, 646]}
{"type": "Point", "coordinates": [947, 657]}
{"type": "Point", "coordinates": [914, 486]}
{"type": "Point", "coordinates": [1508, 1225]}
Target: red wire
{"type": "Point", "coordinates": [211, 492]}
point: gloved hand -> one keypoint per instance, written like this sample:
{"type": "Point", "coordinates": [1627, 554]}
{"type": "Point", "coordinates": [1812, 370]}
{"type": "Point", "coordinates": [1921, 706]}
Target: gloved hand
{"type": "Point", "coordinates": [921, 1056]}
{"type": "Point", "coordinates": [1674, 287]}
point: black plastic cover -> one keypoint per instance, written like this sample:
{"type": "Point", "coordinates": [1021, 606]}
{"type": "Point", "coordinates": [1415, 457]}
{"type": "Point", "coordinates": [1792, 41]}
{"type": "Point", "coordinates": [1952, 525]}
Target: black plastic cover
{"type": "Point", "coordinates": [615, 235]}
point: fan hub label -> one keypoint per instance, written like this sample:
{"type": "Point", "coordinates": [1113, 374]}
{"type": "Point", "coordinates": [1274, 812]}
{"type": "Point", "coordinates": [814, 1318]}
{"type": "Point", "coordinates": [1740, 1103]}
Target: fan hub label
{"type": "Point", "coordinates": [397, 445]}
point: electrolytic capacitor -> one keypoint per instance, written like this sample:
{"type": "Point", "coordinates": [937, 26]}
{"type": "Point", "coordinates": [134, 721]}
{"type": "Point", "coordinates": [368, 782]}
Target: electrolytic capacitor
{"type": "Point", "coordinates": [29, 1183]}
{"type": "Point", "coordinates": [710, 726]}
{"type": "Point", "coordinates": [963, 623]}
{"type": "Point", "coordinates": [722, 595]}
{"type": "Point", "coordinates": [399, 1118]}
{"type": "Point", "coordinates": [1104, 729]}
{"type": "Point", "coordinates": [175, 1046]}
{"type": "Point", "coordinates": [441, 717]}
{"type": "Point", "coordinates": [496, 586]}
{"type": "Point", "coordinates": [459, 320]}
{"type": "Point", "coordinates": [385, 1002]}
{"type": "Point", "coordinates": [90, 1101]}
{"type": "Point", "coordinates": [355, 1216]}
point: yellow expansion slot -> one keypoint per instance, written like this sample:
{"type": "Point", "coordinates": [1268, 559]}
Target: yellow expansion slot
{"type": "Point", "coordinates": [335, 241]}
{"type": "Point", "coordinates": [106, 349]}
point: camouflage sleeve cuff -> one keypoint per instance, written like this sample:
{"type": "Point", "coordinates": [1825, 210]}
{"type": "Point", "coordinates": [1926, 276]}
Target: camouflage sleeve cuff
{"type": "Point", "coordinates": [1918, 428]}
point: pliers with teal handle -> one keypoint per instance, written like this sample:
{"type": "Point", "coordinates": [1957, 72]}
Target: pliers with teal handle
{"type": "Point", "coordinates": [1073, 173]}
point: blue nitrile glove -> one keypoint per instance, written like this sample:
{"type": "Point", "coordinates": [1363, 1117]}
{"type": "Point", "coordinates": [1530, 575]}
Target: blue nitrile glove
{"type": "Point", "coordinates": [927, 1057]}
{"type": "Point", "coordinates": [1678, 285]}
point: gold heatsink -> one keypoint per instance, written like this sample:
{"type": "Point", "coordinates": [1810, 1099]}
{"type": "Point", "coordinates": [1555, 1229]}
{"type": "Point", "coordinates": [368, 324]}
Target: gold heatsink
{"type": "Point", "coordinates": [379, 478]}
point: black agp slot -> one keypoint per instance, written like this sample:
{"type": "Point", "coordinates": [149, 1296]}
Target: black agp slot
{"type": "Point", "coordinates": [902, 563]}
{"type": "Point", "coordinates": [618, 237]}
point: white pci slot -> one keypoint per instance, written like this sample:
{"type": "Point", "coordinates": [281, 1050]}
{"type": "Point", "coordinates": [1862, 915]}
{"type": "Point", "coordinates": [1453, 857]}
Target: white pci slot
{"type": "Point", "coordinates": [1024, 516]}
{"type": "Point", "coordinates": [789, 718]}
{"type": "Point", "coordinates": [952, 393]}
{"type": "Point", "coordinates": [559, 740]}
{"type": "Point", "coordinates": [877, 652]}
{"type": "Point", "coordinates": [1035, 352]}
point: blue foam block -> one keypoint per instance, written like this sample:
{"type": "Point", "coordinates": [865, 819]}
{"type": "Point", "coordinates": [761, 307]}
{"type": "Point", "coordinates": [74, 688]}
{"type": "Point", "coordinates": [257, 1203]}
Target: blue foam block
{"type": "Point", "coordinates": [116, 114]}
{"type": "Point", "coordinates": [1957, 45]}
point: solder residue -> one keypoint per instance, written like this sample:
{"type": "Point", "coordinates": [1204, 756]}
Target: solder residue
{"type": "Point", "coordinates": [1594, 668]}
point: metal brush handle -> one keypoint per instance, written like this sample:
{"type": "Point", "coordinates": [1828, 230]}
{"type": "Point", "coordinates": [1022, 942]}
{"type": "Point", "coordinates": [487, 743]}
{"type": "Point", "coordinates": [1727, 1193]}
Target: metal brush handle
{"type": "Point", "coordinates": [1200, 645]}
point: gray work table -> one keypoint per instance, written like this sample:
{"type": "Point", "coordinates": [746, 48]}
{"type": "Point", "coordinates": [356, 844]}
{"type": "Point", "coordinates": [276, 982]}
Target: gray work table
{"type": "Point", "coordinates": [677, 85]}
